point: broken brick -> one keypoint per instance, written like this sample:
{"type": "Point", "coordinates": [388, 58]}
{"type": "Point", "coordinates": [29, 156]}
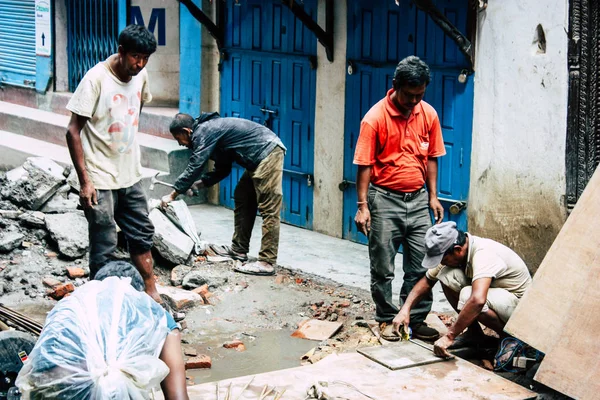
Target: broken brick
{"type": "Point", "coordinates": [61, 291]}
{"type": "Point", "coordinates": [75, 272]}
{"type": "Point", "coordinates": [179, 299]}
{"type": "Point", "coordinates": [344, 304]}
{"type": "Point", "coordinates": [241, 347]}
{"type": "Point", "coordinates": [232, 344]}
{"type": "Point", "coordinates": [203, 292]}
{"type": "Point", "coordinates": [299, 281]}
{"type": "Point", "coordinates": [202, 361]}
{"type": "Point", "coordinates": [51, 282]}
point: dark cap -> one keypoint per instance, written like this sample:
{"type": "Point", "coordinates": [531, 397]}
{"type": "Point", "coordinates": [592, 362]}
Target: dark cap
{"type": "Point", "coordinates": [438, 239]}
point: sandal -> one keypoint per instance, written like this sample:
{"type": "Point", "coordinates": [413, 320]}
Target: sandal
{"type": "Point", "coordinates": [255, 268]}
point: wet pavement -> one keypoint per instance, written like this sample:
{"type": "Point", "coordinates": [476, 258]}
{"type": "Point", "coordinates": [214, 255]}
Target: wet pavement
{"type": "Point", "coordinates": [342, 261]}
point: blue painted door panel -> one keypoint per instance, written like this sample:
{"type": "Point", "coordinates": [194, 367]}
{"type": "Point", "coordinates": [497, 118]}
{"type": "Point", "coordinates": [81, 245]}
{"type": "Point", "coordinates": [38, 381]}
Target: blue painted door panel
{"type": "Point", "coordinates": [378, 37]}
{"type": "Point", "coordinates": [267, 77]}
{"type": "Point", "coordinates": [17, 42]}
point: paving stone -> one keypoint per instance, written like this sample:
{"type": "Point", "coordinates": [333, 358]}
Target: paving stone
{"type": "Point", "coordinates": [179, 299]}
{"type": "Point", "coordinates": [172, 244]}
{"type": "Point", "coordinates": [202, 361]}
{"type": "Point", "coordinates": [33, 219]}
{"type": "Point", "coordinates": [10, 240]}
{"type": "Point", "coordinates": [33, 183]}
{"type": "Point", "coordinates": [70, 232]}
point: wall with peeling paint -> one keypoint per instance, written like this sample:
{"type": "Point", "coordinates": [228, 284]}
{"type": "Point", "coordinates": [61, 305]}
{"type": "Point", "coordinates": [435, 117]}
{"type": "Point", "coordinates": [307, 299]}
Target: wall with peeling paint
{"type": "Point", "coordinates": [517, 184]}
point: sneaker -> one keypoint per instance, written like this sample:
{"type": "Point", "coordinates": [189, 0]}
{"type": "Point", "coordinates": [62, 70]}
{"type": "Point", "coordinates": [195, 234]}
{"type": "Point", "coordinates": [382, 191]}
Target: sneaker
{"type": "Point", "coordinates": [227, 251]}
{"type": "Point", "coordinates": [386, 331]}
{"type": "Point", "coordinates": [423, 332]}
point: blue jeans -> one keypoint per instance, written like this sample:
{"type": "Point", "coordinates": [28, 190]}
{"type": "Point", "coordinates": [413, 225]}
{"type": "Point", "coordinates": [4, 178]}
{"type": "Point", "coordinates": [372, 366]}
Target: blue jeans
{"type": "Point", "coordinates": [396, 222]}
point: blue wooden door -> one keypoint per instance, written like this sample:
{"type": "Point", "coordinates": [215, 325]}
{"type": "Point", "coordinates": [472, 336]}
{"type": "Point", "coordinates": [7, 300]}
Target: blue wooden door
{"type": "Point", "coordinates": [380, 35]}
{"type": "Point", "coordinates": [268, 76]}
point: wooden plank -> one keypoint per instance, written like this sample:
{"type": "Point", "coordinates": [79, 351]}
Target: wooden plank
{"type": "Point", "coordinates": [400, 355]}
{"type": "Point", "coordinates": [572, 366]}
{"type": "Point", "coordinates": [546, 308]}
{"type": "Point", "coordinates": [455, 379]}
{"type": "Point", "coordinates": [314, 329]}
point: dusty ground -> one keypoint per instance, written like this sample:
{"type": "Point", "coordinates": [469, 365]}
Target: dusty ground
{"type": "Point", "coordinates": [262, 312]}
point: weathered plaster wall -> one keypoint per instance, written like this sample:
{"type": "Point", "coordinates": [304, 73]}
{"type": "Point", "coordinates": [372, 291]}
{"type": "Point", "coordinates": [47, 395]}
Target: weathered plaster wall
{"type": "Point", "coordinates": [329, 127]}
{"type": "Point", "coordinates": [61, 62]}
{"type": "Point", "coordinates": [519, 128]}
{"type": "Point", "coordinates": [211, 79]}
{"type": "Point", "coordinates": [163, 67]}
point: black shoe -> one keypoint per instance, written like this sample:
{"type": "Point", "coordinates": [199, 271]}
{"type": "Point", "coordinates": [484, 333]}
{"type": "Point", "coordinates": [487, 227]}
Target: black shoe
{"type": "Point", "coordinates": [423, 332]}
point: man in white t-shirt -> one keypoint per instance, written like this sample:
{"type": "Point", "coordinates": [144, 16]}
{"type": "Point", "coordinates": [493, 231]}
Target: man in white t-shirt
{"type": "Point", "coordinates": [102, 141]}
{"type": "Point", "coordinates": [482, 279]}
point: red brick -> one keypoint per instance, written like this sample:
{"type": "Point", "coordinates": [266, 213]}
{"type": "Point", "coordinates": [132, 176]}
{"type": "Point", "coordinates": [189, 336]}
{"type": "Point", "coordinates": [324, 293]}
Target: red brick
{"type": "Point", "coordinates": [344, 303]}
{"type": "Point", "coordinates": [203, 292]}
{"type": "Point", "coordinates": [233, 344]}
{"type": "Point", "coordinates": [61, 291]}
{"type": "Point", "coordinates": [241, 347]}
{"type": "Point", "coordinates": [202, 361]}
{"type": "Point", "coordinates": [75, 272]}
{"type": "Point", "coordinates": [51, 282]}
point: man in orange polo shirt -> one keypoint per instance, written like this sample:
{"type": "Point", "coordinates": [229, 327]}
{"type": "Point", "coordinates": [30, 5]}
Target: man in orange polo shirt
{"type": "Point", "coordinates": [399, 142]}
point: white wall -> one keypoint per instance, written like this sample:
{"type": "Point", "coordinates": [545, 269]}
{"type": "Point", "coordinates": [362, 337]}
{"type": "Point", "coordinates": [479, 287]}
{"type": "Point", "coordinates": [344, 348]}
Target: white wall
{"type": "Point", "coordinates": [163, 67]}
{"type": "Point", "coordinates": [329, 126]}
{"type": "Point", "coordinates": [519, 127]}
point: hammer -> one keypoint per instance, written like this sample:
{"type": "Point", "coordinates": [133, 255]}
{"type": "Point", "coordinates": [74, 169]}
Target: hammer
{"type": "Point", "coordinates": [155, 180]}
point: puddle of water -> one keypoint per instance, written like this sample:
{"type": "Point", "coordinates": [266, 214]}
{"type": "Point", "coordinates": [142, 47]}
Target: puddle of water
{"type": "Point", "coordinates": [269, 351]}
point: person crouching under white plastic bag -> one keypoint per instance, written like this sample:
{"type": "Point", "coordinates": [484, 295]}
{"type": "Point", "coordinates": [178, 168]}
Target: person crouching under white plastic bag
{"type": "Point", "coordinates": [108, 340]}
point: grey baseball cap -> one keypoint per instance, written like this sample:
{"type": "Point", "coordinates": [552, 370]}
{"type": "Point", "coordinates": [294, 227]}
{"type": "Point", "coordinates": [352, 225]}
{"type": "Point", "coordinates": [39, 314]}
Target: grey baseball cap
{"type": "Point", "coordinates": [438, 239]}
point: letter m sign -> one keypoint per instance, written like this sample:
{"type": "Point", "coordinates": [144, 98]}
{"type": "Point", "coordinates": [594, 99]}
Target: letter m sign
{"type": "Point", "coordinates": [157, 18]}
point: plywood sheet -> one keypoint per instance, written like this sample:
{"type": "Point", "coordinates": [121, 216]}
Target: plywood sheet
{"type": "Point", "coordinates": [455, 379]}
{"type": "Point", "coordinates": [546, 308]}
{"type": "Point", "coordinates": [400, 355]}
{"type": "Point", "coordinates": [315, 329]}
{"type": "Point", "coordinates": [572, 366]}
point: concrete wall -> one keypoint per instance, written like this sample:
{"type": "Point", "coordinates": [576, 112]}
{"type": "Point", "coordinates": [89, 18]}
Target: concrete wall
{"type": "Point", "coordinates": [61, 61]}
{"type": "Point", "coordinates": [329, 127]}
{"type": "Point", "coordinates": [519, 128]}
{"type": "Point", "coordinates": [163, 66]}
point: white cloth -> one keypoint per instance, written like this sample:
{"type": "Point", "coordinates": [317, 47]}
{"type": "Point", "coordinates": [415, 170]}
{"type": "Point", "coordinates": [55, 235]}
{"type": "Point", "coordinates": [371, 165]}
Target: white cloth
{"type": "Point", "coordinates": [110, 147]}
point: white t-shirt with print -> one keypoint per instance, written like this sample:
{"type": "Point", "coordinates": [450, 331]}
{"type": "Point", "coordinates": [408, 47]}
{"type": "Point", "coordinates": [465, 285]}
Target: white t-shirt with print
{"type": "Point", "coordinates": [489, 259]}
{"type": "Point", "coordinates": [110, 147]}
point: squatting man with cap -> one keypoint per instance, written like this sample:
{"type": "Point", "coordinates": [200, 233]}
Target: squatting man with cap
{"type": "Point", "coordinates": [252, 146]}
{"type": "Point", "coordinates": [482, 279]}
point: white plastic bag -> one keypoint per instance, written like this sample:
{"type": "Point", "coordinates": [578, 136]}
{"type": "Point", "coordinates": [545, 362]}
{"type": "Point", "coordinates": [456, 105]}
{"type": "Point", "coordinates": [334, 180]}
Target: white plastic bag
{"type": "Point", "coordinates": [100, 343]}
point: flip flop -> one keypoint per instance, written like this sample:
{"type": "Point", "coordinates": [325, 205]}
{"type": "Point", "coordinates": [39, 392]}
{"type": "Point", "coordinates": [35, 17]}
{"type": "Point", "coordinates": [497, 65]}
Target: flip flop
{"type": "Point", "coordinates": [254, 268]}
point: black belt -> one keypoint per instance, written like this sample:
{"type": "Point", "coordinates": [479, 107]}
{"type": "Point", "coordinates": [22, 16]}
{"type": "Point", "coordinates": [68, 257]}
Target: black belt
{"type": "Point", "coordinates": [404, 196]}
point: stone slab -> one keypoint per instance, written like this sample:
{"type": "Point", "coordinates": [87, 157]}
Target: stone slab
{"type": "Point", "coordinates": [172, 244]}
{"type": "Point", "coordinates": [70, 232]}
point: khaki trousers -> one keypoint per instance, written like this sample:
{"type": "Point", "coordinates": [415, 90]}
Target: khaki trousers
{"type": "Point", "coordinates": [261, 191]}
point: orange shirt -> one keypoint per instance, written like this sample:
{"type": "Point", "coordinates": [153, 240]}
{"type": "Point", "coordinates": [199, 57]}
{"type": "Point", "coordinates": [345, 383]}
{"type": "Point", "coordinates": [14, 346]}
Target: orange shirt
{"type": "Point", "coordinates": [396, 147]}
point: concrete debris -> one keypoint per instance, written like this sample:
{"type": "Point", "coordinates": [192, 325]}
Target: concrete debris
{"type": "Point", "coordinates": [33, 183]}
{"type": "Point", "coordinates": [73, 180]}
{"type": "Point", "coordinates": [204, 293]}
{"type": "Point", "coordinates": [179, 299]}
{"type": "Point", "coordinates": [172, 244]}
{"type": "Point", "coordinates": [190, 351]}
{"type": "Point", "coordinates": [61, 203]}
{"type": "Point", "coordinates": [70, 232]}
{"type": "Point", "coordinates": [33, 219]}
{"type": "Point", "coordinates": [198, 278]}
{"type": "Point", "coordinates": [10, 240]}
{"type": "Point", "coordinates": [178, 273]}
{"type": "Point", "coordinates": [51, 282]}
{"type": "Point", "coordinates": [10, 214]}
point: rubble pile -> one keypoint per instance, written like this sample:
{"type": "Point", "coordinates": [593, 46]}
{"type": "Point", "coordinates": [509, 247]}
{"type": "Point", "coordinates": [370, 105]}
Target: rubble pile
{"type": "Point", "coordinates": [44, 234]}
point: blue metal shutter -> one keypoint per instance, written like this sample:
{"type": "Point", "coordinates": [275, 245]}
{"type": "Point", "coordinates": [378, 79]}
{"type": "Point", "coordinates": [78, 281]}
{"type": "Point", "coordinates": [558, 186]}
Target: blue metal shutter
{"type": "Point", "coordinates": [17, 42]}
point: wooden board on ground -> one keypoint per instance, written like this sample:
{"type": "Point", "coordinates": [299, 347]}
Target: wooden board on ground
{"type": "Point", "coordinates": [546, 308]}
{"type": "Point", "coordinates": [400, 355]}
{"type": "Point", "coordinates": [344, 374]}
{"type": "Point", "coordinates": [315, 329]}
{"type": "Point", "coordinates": [572, 365]}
